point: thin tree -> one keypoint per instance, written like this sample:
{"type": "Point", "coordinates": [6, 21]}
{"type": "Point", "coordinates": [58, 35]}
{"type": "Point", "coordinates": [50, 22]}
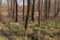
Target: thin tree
{"type": "Point", "coordinates": [16, 20]}
{"type": "Point", "coordinates": [11, 7]}
{"type": "Point", "coordinates": [33, 6]}
{"type": "Point", "coordinates": [45, 9]}
{"type": "Point", "coordinates": [39, 13]}
{"type": "Point", "coordinates": [56, 9]}
{"type": "Point", "coordinates": [13, 3]}
{"type": "Point", "coordinates": [48, 7]}
{"type": "Point", "coordinates": [8, 5]}
{"type": "Point", "coordinates": [23, 9]}
{"type": "Point", "coordinates": [28, 9]}
{"type": "Point", "coordinates": [58, 5]}
{"type": "Point", "coordinates": [0, 11]}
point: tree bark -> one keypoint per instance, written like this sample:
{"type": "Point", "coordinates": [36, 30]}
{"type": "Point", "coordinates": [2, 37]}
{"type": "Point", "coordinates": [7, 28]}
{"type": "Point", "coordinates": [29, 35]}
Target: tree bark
{"type": "Point", "coordinates": [28, 9]}
{"type": "Point", "coordinates": [56, 9]}
{"type": "Point", "coordinates": [13, 9]}
{"type": "Point", "coordinates": [48, 8]}
{"type": "Point", "coordinates": [0, 11]}
{"type": "Point", "coordinates": [45, 10]}
{"type": "Point", "coordinates": [16, 20]}
{"type": "Point", "coordinates": [23, 9]}
{"type": "Point", "coordinates": [33, 6]}
{"type": "Point", "coordinates": [39, 13]}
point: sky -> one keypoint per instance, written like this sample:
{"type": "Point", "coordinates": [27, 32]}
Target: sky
{"type": "Point", "coordinates": [20, 2]}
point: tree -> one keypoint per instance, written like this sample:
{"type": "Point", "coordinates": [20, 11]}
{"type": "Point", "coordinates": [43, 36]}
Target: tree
{"type": "Point", "coordinates": [0, 11]}
{"type": "Point", "coordinates": [28, 7]}
{"type": "Point", "coordinates": [48, 7]}
{"type": "Point", "coordinates": [58, 5]}
{"type": "Point", "coordinates": [8, 5]}
{"type": "Point", "coordinates": [23, 9]}
{"type": "Point", "coordinates": [39, 13]}
{"type": "Point", "coordinates": [11, 8]}
{"type": "Point", "coordinates": [56, 9]}
{"type": "Point", "coordinates": [16, 20]}
{"type": "Point", "coordinates": [33, 6]}
{"type": "Point", "coordinates": [45, 9]}
{"type": "Point", "coordinates": [13, 3]}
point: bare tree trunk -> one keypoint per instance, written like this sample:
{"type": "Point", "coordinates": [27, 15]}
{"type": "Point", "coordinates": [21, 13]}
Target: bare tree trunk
{"type": "Point", "coordinates": [0, 11]}
{"type": "Point", "coordinates": [23, 9]}
{"type": "Point", "coordinates": [39, 13]}
{"type": "Point", "coordinates": [55, 10]}
{"type": "Point", "coordinates": [16, 20]}
{"type": "Point", "coordinates": [58, 6]}
{"type": "Point", "coordinates": [28, 7]}
{"type": "Point", "coordinates": [48, 8]}
{"type": "Point", "coordinates": [45, 9]}
{"type": "Point", "coordinates": [13, 9]}
{"type": "Point", "coordinates": [33, 6]}
{"type": "Point", "coordinates": [8, 5]}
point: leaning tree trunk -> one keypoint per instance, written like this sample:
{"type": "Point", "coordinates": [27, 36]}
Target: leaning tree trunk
{"type": "Point", "coordinates": [28, 9]}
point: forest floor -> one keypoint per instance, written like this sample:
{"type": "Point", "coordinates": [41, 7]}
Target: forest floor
{"type": "Point", "coordinates": [6, 17]}
{"type": "Point", "coordinates": [16, 31]}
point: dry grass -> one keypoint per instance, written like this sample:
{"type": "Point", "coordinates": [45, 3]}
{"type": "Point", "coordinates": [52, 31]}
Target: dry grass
{"type": "Point", "coordinates": [46, 31]}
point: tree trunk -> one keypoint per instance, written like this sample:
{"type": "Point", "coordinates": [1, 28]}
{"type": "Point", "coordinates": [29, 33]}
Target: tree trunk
{"type": "Point", "coordinates": [39, 13]}
{"type": "Point", "coordinates": [23, 9]}
{"type": "Point", "coordinates": [13, 9]}
{"type": "Point", "coordinates": [16, 20]}
{"type": "Point", "coordinates": [33, 6]}
{"type": "Point", "coordinates": [0, 11]}
{"type": "Point", "coordinates": [28, 9]}
{"type": "Point", "coordinates": [54, 9]}
{"type": "Point", "coordinates": [48, 8]}
{"type": "Point", "coordinates": [45, 10]}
